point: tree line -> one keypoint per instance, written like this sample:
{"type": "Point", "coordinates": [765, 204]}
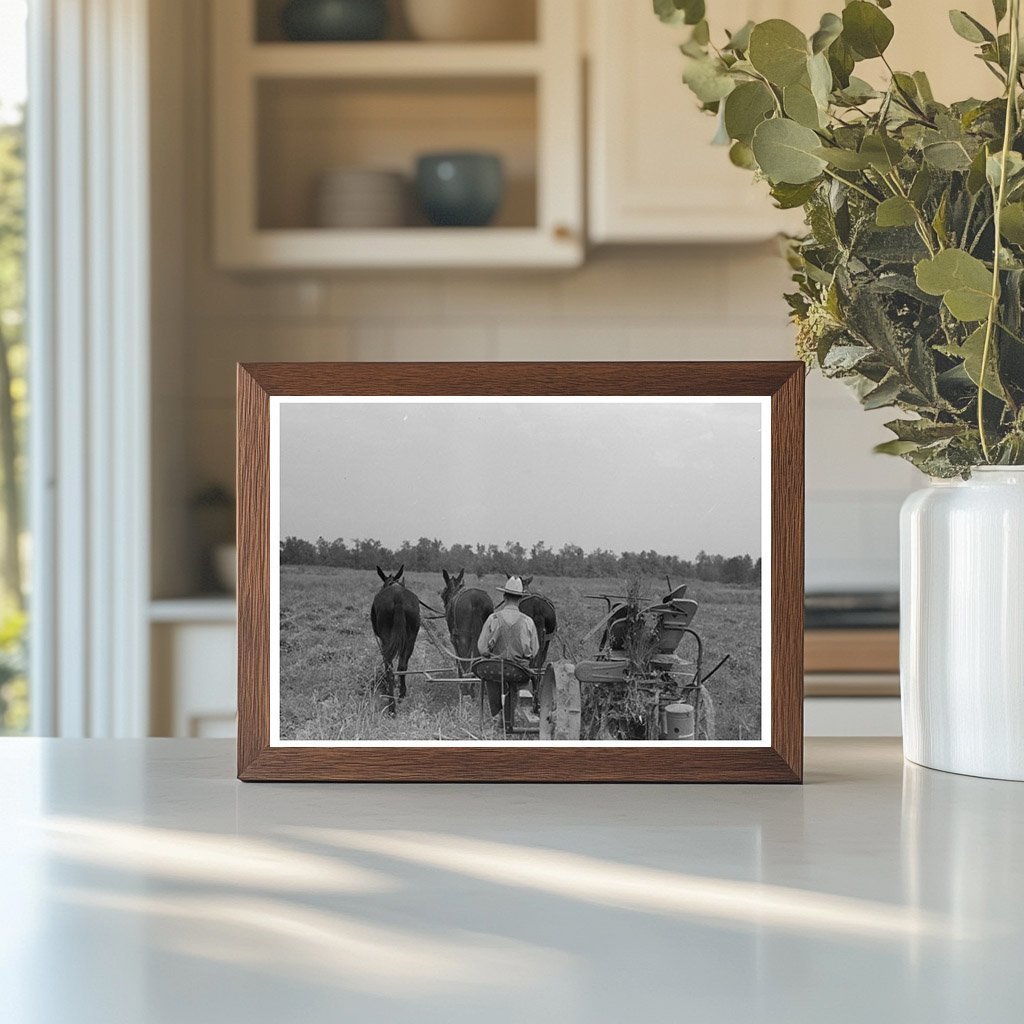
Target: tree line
{"type": "Point", "coordinates": [428, 555]}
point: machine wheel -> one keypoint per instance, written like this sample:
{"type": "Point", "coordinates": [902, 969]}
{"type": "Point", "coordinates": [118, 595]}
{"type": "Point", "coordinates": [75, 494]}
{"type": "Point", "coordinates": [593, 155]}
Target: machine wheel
{"type": "Point", "coordinates": [559, 702]}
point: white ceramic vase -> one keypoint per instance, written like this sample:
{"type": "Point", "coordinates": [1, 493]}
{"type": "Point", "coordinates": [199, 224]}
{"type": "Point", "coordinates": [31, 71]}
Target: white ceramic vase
{"type": "Point", "coordinates": [962, 624]}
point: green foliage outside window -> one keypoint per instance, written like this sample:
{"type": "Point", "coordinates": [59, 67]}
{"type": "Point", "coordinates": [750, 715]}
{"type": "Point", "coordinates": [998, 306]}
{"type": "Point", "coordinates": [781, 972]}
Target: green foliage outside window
{"type": "Point", "coordinates": [13, 413]}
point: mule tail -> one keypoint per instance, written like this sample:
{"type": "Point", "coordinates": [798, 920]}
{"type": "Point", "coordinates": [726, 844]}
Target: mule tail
{"type": "Point", "coordinates": [395, 642]}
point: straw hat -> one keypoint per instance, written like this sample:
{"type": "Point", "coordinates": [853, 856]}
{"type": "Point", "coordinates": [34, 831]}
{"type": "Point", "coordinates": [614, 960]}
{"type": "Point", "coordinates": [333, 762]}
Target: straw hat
{"type": "Point", "coordinates": [513, 587]}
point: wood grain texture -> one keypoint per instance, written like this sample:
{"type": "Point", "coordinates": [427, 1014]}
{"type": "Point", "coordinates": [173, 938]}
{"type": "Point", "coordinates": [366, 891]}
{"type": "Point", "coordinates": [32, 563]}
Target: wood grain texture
{"type": "Point", "coordinates": [656, 762]}
{"type": "Point", "coordinates": [252, 487]}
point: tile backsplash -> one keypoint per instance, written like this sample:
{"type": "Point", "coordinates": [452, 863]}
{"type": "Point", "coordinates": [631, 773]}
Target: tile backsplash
{"type": "Point", "coordinates": [701, 303]}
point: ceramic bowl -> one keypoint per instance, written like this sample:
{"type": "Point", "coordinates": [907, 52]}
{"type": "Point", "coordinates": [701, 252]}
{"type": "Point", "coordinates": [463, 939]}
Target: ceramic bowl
{"type": "Point", "coordinates": [460, 189]}
{"type": "Point", "coordinates": [470, 20]}
{"type": "Point", "coordinates": [334, 20]}
{"type": "Point", "coordinates": [357, 197]}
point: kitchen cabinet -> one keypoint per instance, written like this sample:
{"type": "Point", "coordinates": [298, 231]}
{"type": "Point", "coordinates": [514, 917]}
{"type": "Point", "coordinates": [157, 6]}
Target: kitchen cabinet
{"type": "Point", "coordinates": [286, 113]}
{"type": "Point", "coordinates": [653, 175]}
{"type": "Point", "coordinates": [193, 672]}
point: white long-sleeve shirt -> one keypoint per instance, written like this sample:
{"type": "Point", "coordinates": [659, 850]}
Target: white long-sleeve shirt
{"type": "Point", "coordinates": [508, 633]}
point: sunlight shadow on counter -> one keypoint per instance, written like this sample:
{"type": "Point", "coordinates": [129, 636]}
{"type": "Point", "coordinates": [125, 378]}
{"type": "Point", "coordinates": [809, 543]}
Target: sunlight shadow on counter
{"type": "Point", "coordinates": [574, 876]}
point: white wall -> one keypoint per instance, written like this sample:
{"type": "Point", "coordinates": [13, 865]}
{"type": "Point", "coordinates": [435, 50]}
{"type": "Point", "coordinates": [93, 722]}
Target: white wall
{"type": "Point", "coordinates": [664, 303]}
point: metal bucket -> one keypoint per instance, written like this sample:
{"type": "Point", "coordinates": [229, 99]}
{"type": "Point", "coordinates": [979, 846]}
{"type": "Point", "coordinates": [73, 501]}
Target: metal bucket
{"type": "Point", "coordinates": [677, 722]}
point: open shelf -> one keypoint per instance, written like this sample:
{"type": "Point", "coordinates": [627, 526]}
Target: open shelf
{"type": "Point", "coordinates": [520, 17]}
{"type": "Point", "coordinates": [286, 114]}
{"type": "Point", "coordinates": [308, 127]}
{"type": "Point", "coordinates": [407, 248]}
{"type": "Point", "coordinates": [393, 60]}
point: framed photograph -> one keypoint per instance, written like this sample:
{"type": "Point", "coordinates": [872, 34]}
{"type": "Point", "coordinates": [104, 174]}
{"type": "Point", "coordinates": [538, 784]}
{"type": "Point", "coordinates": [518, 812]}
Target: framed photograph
{"type": "Point", "coordinates": [520, 572]}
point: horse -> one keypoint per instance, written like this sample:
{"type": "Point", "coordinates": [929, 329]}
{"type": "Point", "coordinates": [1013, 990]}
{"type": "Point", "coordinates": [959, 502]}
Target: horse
{"type": "Point", "coordinates": [465, 610]}
{"type": "Point", "coordinates": [542, 611]}
{"type": "Point", "coordinates": [395, 617]}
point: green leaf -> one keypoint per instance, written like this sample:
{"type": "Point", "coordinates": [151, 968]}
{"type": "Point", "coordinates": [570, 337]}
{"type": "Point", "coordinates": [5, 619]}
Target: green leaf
{"type": "Point", "coordinates": [745, 108]}
{"type": "Point", "coordinates": [858, 91]}
{"type": "Point", "coordinates": [676, 12]}
{"type": "Point", "coordinates": [778, 50]}
{"type": "Point", "coordinates": [800, 105]}
{"type": "Point", "coordinates": [668, 11]}
{"type": "Point", "coordinates": [841, 60]}
{"type": "Point", "coordinates": [923, 431]}
{"type": "Point", "coordinates": [906, 90]}
{"type": "Point", "coordinates": [883, 153]}
{"type": "Point", "coordinates": [963, 281]}
{"type": "Point", "coordinates": [921, 185]}
{"type": "Point", "coordinates": [924, 87]}
{"type": "Point", "coordinates": [785, 152]}
{"type": "Point", "coordinates": [969, 28]}
{"type": "Point", "coordinates": [739, 41]}
{"type": "Point", "coordinates": [971, 352]}
{"type": "Point", "coordinates": [896, 447]}
{"type": "Point", "coordinates": [844, 159]}
{"type": "Point", "coordinates": [1014, 169]}
{"type": "Point", "coordinates": [695, 11]}
{"type": "Point", "coordinates": [939, 220]}
{"type": "Point", "coordinates": [742, 155]}
{"type": "Point", "coordinates": [866, 29]}
{"type": "Point", "coordinates": [884, 395]}
{"type": "Point", "coordinates": [947, 156]}
{"type": "Point", "coordinates": [1012, 225]}
{"type": "Point", "coordinates": [830, 29]}
{"type": "Point", "coordinates": [976, 174]}
{"type": "Point", "coordinates": [820, 76]}
{"type": "Point", "coordinates": [896, 212]}
{"type": "Point", "coordinates": [789, 197]}
{"type": "Point", "coordinates": [708, 80]}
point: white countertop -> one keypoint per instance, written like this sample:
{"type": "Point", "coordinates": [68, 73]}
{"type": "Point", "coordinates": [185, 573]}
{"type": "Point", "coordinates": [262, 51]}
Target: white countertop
{"type": "Point", "coordinates": [143, 885]}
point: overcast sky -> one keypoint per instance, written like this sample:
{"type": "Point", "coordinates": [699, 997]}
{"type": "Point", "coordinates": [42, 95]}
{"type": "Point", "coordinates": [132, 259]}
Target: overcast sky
{"type": "Point", "coordinates": [626, 476]}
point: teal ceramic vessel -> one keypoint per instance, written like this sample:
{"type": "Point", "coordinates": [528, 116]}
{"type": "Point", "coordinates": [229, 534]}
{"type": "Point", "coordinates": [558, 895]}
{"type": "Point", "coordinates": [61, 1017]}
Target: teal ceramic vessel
{"type": "Point", "coordinates": [461, 190]}
{"type": "Point", "coordinates": [334, 21]}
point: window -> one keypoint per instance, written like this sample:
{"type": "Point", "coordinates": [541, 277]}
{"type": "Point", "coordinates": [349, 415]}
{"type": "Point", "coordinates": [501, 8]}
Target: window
{"type": "Point", "coordinates": [14, 549]}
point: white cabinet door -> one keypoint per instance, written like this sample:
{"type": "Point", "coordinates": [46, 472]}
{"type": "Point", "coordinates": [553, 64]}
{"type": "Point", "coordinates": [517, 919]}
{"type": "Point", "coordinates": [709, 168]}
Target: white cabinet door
{"type": "Point", "coordinates": [193, 679]}
{"type": "Point", "coordinates": [653, 175]}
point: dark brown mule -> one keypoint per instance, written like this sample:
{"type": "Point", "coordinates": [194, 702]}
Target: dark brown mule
{"type": "Point", "coordinates": [466, 609]}
{"type": "Point", "coordinates": [395, 617]}
{"type": "Point", "coordinates": [542, 611]}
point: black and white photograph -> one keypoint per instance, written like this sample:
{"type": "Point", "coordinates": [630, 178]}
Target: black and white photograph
{"type": "Point", "coordinates": [492, 570]}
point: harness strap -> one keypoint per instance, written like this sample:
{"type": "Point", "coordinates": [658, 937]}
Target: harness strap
{"type": "Point", "coordinates": [398, 583]}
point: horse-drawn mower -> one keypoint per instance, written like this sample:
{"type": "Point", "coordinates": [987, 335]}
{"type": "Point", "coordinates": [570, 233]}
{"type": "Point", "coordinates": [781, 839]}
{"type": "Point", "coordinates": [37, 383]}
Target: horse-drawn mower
{"type": "Point", "coordinates": [645, 681]}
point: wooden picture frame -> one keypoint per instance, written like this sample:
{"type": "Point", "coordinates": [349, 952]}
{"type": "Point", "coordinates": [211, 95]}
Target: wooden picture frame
{"type": "Point", "coordinates": [780, 759]}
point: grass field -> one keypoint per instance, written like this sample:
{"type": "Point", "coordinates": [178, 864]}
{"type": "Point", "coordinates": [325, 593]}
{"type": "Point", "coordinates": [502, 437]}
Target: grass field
{"type": "Point", "coordinates": [329, 656]}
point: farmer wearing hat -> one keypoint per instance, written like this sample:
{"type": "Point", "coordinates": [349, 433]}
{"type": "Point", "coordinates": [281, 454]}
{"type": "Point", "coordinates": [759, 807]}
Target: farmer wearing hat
{"type": "Point", "coordinates": [508, 633]}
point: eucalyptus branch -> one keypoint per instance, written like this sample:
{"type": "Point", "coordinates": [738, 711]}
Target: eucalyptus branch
{"type": "Point", "coordinates": [874, 301]}
{"type": "Point", "coordinates": [970, 216]}
{"type": "Point", "coordinates": [771, 89]}
{"type": "Point", "coordinates": [981, 231]}
{"type": "Point", "coordinates": [850, 184]}
{"type": "Point", "coordinates": [1000, 199]}
{"type": "Point", "coordinates": [923, 227]}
